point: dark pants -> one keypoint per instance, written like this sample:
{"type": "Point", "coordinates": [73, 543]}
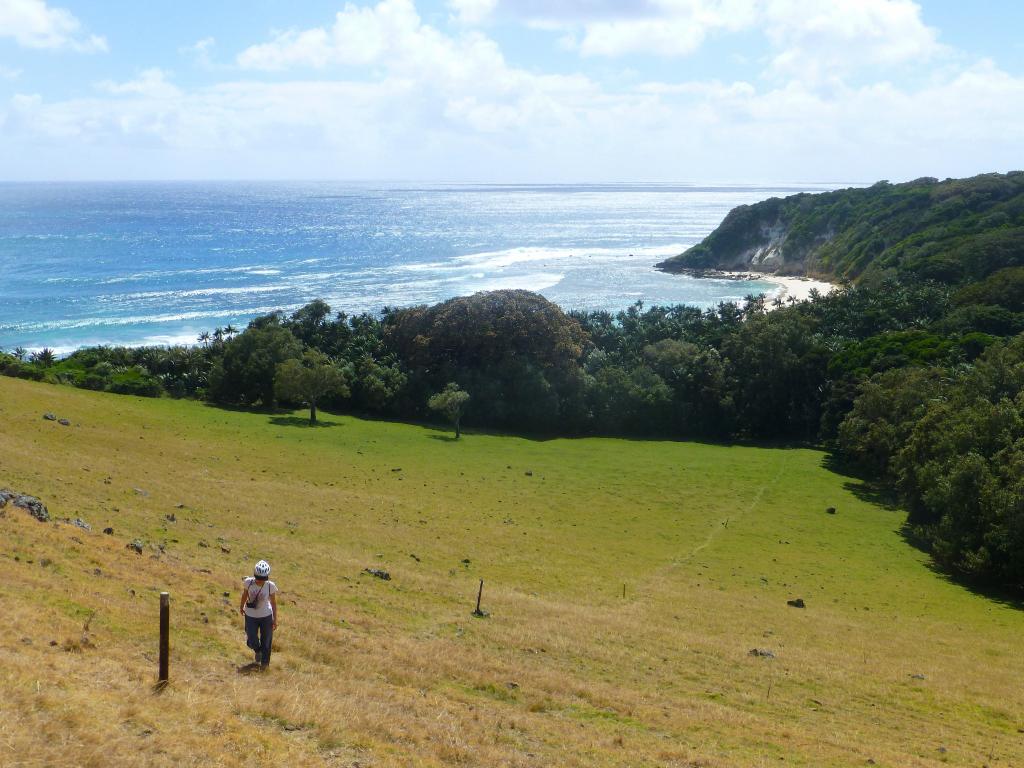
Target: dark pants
{"type": "Point", "coordinates": [259, 634]}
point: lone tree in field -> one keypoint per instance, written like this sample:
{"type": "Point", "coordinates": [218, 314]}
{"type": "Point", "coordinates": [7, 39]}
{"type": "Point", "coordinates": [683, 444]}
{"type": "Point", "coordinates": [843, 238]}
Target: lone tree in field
{"type": "Point", "coordinates": [450, 403]}
{"type": "Point", "coordinates": [309, 380]}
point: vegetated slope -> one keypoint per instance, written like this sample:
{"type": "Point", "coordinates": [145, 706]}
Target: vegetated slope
{"type": "Point", "coordinates": [627, 583]}
{"type": "Point", "coordinates": [953, 231]}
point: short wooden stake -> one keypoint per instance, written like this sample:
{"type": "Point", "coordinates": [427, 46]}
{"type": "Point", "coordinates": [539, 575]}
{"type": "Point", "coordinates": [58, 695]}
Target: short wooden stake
{"type": "Point", "coordinates": [165, 635]}
{"type": "Point", "coordinates": [480, 593]}
{"type": "Point", "coordinates": [623, 591]}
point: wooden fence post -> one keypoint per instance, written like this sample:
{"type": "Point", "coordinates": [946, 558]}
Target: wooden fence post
{"type": "Point", "coordinates": [479, 595]}
{"type": "Point", "coordinates": [165, 633]}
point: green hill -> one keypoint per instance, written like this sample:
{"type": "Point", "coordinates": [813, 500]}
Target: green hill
{"type": "Point", "coordinates": [953, 231]}
{"type": "Point", "coordinates": [627, 582]}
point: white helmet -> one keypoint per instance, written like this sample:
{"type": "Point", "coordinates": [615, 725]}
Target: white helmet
{"type": "Point", "coordinates": [262, 569]}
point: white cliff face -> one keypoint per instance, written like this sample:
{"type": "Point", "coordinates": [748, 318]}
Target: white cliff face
{"type": "Point", "coordinates": [767, 256]}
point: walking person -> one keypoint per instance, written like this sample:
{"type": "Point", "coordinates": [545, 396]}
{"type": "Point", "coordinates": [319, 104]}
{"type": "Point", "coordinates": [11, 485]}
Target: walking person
{"type": "Point", "coordinates": [259, 607]}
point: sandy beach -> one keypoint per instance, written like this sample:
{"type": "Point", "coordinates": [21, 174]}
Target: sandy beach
{"type": "Point", "coordinates": [798, 287]}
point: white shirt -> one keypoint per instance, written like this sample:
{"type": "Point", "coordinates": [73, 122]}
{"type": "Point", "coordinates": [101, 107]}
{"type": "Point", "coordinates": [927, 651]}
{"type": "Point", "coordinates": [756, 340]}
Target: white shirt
{"type": "Point", "coordinates": [261, 594]}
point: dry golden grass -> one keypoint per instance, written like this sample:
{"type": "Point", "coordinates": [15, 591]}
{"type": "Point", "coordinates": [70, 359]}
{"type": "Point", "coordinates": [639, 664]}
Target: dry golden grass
{"type": "Point", "coordinates": [708, 541]}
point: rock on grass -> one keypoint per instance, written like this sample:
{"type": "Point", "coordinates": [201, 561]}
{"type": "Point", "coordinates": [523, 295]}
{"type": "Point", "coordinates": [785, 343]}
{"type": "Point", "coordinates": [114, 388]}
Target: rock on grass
{"type": "Point", "coordinates": [30, 504]}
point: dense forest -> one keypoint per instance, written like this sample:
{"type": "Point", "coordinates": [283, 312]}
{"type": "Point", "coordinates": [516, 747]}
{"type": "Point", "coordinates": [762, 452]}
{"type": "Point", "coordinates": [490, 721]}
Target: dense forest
{"type": "Point", "coordinates": [912, 375]}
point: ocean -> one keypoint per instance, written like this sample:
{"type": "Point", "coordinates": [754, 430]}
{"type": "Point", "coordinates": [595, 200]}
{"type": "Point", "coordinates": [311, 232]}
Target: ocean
{"type": "Point", "coordinates": [158, 263]}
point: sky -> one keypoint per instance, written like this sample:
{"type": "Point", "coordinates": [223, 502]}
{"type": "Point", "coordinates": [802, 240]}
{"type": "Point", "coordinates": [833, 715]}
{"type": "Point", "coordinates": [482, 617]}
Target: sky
{"type": "Point", "coordinates": [511, 91]}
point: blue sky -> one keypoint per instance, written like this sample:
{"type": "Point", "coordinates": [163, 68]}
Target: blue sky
{"type": "Point", "coordinates": [511, 90]}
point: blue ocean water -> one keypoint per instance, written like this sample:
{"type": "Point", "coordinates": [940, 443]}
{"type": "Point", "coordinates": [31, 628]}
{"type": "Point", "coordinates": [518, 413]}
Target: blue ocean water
{"type": "Point", "coordinates": [157, 263]}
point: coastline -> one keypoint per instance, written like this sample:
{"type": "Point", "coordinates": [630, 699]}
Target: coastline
{"type": "Point", "coordinates": [795, 286]}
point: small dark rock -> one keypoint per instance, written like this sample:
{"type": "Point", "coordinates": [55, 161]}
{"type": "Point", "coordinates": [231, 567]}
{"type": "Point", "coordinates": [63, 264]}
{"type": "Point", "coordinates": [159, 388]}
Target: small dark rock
{"type": "Point", "coordinates": [225, 550]}
{"type": "Point", "coordinates": [511, 685]}
{"type": "Point", "coordinates": [763, 653]}
{"type": "Point", "coordinates": [64, 422]}
{"type": "Point", "coordinates": [136, 545]}
{"type": "Point", "coordinates": [53, 643]}
{"type": "Point", "coordinates": [80, 523]}
{"type": "Point", "coordinates": [50, 416]}
{"type": "Point", "coordinates": [171, 518]}
{"type": "Point", "coordinates": [396, 469]}
{"type": "Point", "coordinates": [917, 676]}
{"type": "Point", "coordinates": [140, 492]}
{"type": "Point", "coordinates": [797, 603]}
{"type": "Point", "coordinates": [97, 572]}
{"type": "Point", "coordinates": [109, 531]}
{"type": "Point", "coordinates": [379, 573]}
{"type": "Point", "coordinates": [528, 473]}
{"type": "Point", "coordinates": [830, 511]}
{"type": "Point", "coordinates": [414, 557]}
{"type": "Point", "coordinates": [466, 561]}
{"type": "Point", "coordinates": [45, 562]}
{"type": "Point", "coordinates": [203, 544]}
{"type": "Point", "coordinates": [179, 506]}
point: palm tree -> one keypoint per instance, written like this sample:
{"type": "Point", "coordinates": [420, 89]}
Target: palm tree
{"type": "Point", "coordinates": [204, 337]}
{"type": "Point", "coordinates": [20, 352]}
{"type": "Point", "coordinates": [218, 335]}
{"type": "Point", "coordinates": [230, 331]}
{"type": "Point", "coordinates": [44, 357]}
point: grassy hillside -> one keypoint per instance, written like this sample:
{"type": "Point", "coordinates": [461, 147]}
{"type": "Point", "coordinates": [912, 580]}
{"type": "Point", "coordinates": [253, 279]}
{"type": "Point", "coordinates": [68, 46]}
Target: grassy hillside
{"type": "Point", "coordinates": [958, 230]}
{"type": "Point", "coordinates": [708, 541]}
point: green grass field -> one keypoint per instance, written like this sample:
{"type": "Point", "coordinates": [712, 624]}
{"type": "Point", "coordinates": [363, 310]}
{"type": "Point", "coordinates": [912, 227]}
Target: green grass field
{"type": "Point", "coordinates": [627, 582]}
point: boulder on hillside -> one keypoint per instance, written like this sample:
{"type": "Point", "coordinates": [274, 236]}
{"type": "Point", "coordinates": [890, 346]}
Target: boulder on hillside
{"type": "Point", "coordinates": [30, 504]}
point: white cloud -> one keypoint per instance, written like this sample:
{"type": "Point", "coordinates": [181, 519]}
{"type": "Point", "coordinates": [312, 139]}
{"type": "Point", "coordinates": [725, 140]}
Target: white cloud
{"type": "Point", "coordinates": [151, 83]}
{"type": "Point", "coordinates": [544, 129]}
{"type": "Point", "coordinates": [34, 24]}
{"type": "Point", "coordinates": [468, 75]}
{"type": "Point", "coordinates": [666, 27]}
{"type": "Point", "coordinates": [200, 51]}
{"type": "Point", "coordinates": [471, 12]}
{"type": "Point", "coordinates": [359, 36]}
{"type": "Point", "coordinates": [810, 39]}
{"type": "Point", "coordinates": [817, 39]}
